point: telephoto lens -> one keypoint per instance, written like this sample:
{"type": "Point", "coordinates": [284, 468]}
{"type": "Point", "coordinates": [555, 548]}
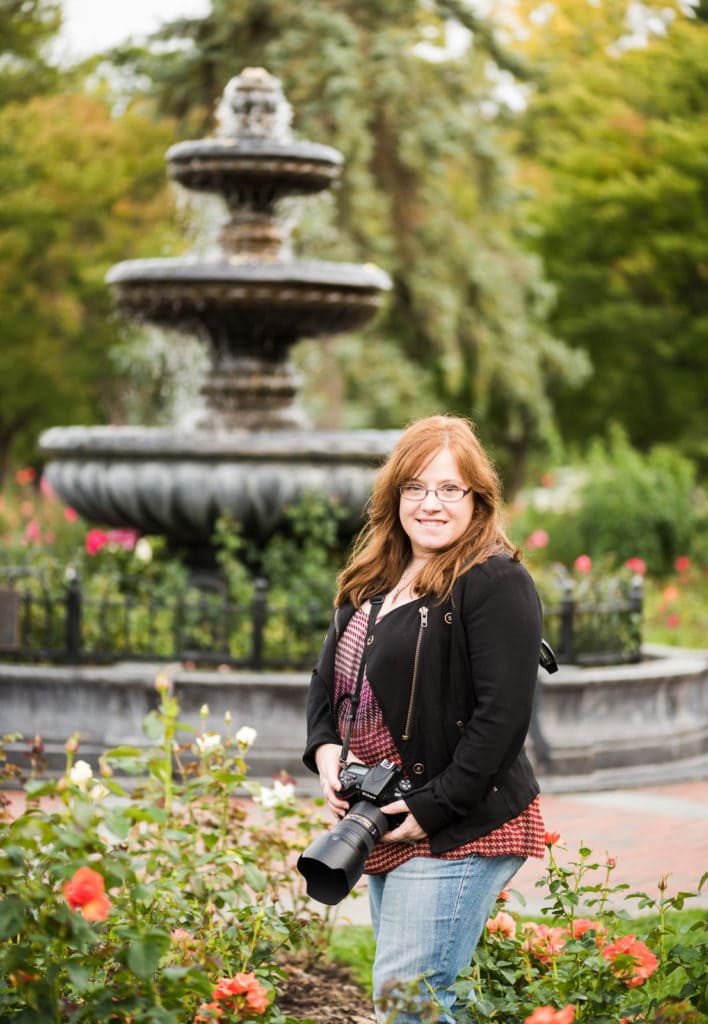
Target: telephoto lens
{"type": "Point", "coordinates": [333, 863]}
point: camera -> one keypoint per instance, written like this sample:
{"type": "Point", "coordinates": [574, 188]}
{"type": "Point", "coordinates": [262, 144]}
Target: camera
{"type": "Point", "coordinates": [334, 862]}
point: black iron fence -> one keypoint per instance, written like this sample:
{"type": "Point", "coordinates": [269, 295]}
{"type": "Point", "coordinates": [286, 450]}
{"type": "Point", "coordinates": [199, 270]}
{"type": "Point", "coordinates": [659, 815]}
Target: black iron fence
{"type": "Point", "coordinates": [71, 624]}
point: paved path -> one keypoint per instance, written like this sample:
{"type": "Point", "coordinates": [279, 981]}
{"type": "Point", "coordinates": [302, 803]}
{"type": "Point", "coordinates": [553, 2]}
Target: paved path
{"type": "Point", "coordinates": [654, 831]}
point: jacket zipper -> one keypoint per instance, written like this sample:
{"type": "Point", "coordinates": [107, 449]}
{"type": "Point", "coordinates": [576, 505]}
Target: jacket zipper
{"type": "Point", "coordinates": [423, 612]}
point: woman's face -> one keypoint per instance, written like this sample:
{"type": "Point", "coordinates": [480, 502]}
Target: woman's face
{"type": "Point", "coordinates": [433, 525]}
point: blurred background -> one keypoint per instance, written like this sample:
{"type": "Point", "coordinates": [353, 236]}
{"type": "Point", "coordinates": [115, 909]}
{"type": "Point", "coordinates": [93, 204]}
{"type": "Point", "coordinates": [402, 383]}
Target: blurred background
{"type": "Point", "coordinates": [532, 175]}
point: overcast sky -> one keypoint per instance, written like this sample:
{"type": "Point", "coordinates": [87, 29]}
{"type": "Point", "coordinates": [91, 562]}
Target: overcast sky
{"type": "Point", "coordinates": [91, 25]}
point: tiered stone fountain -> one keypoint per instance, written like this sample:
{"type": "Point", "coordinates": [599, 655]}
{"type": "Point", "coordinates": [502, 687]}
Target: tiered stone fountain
{"type": "Point", "coordinates": [249, 453]}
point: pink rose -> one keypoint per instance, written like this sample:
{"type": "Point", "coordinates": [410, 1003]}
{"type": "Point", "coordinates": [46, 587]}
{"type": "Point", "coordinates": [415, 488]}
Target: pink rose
{"type": "Point", "coordinates": [503, 924]}
{"type": "Point", "coordinates": [123, 538]}
{"type": "Point", "coordinates": [537, 539]}
{"type": "Point", "coordinates": [583, 563]}
{"type": "Point", "coordinates": [637, 565]}
{"type": "Point", "coordinates": [95, 540]}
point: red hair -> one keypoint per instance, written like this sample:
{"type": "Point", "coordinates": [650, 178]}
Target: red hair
{"type": "Point", "coordinates": [382, 549]}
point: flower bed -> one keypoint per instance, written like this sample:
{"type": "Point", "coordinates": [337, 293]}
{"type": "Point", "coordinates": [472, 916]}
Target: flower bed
{"type": "Point", "coordinates": [164, 904]}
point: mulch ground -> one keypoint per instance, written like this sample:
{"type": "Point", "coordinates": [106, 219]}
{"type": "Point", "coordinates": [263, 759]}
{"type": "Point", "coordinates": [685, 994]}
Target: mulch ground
{"type": "Point", "coordinates": [325, 994]}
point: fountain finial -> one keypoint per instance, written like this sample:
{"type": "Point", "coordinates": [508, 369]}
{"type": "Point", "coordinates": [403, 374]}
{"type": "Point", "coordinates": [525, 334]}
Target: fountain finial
{"type": "Point", "coordinates": [252, 106]}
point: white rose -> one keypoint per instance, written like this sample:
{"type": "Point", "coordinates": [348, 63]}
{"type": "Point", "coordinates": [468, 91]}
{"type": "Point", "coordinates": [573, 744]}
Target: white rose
{"type": "Point", "coordinates": [280, 794]}
{"type": "Point", "coordinates": [208, 742]}
{"type": "Point", "coordinates": [81, 774]}
{"type": "Point", "coordinates": [245, 736]}
{"type": "Point", "coordinates": [143, 550]}
{"type": "Point", "coordinates": [98, 792]}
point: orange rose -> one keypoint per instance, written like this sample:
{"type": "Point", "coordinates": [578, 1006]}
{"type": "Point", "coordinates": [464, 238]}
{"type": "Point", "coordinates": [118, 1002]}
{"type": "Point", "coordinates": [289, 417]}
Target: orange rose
{"type": "Point", "coordinates": [549, 1015]}
{"type": "Point", "coordinates": [630, 960]}
{"type": "Point", "coordinates": [243, 991]}
{"type": "Point", "coordinates": [86, 892]}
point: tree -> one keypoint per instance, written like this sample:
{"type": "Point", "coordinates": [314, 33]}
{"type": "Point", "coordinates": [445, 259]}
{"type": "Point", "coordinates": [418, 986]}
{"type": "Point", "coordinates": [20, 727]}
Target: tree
{"type": "Point", "coordinates": [426, 193]}
{"type": "Point", "coordinates": [25, 27]}
{"type": "Point", "coordinates": [616, 149]}
{"type": "Point", "coordinates": [81, 190]}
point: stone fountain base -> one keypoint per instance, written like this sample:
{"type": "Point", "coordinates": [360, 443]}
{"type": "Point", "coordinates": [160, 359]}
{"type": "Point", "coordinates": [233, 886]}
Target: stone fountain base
{"type": "Point", "coordinates": [598, 728]}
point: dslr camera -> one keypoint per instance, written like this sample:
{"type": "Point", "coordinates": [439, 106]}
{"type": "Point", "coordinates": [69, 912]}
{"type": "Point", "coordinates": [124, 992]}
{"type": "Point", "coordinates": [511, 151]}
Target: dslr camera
{"type": "Point", "coordinates": [334, 862]}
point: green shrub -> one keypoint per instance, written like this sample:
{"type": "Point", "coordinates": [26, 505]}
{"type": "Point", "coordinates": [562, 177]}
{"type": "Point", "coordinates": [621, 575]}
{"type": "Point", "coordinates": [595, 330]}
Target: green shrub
{"type": "Point", "coordinates": [617, 503]}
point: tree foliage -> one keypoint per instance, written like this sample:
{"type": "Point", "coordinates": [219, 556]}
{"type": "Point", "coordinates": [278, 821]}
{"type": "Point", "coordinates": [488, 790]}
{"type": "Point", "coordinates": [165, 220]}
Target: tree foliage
{"type": "Point", "coordinates": [25, 28]}
{"type": "Point", "coordinates": [81, 190]}
{"type": "Point", "coordinates": [426, 193]}
{"type": "Point", "coordinates": [615, 143]}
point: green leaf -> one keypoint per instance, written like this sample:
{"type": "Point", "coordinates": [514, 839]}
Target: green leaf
{"type": "Point", "coordinates": [254, 878]}
{"type": "Point", "coordinates": [79, 974]}
{"type": "Point", "coordinates": [40, 787]}
{"type": "Point", "coordinates": [124, 751]}
{"type": "Point", "coordinates": [153, 726]}
{"type": "Point", "coordinates": [118, 823]}
{"type": "Point", "coordinates": [15, 855]}
{"type": "Point", "coordinates": [144, 954]}
{"type": "Point", "coordinates": [12, 916]}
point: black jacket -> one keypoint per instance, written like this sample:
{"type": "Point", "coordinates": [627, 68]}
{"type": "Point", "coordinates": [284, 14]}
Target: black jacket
{"type": "Point", "coordinates": [460, 724]}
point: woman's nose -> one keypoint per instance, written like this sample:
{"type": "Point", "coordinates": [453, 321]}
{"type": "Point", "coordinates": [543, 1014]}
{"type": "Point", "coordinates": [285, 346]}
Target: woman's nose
{"type": "Point", "coordinates": [430, 500]}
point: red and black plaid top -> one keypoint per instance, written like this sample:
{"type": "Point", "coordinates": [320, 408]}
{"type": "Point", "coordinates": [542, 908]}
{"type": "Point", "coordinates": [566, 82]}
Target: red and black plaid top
{"type": "Point", "coordinates": [371, 741]}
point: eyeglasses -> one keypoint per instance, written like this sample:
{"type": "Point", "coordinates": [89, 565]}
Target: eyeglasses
{"type": "Point", "coordinates": [448, 492]}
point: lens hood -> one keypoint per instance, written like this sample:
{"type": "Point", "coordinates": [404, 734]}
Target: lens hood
{"type": "Point", "coordinates": [333, 863]}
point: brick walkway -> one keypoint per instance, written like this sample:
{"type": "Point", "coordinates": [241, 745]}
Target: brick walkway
{"type": "Point", "coordinates": [653, 831]}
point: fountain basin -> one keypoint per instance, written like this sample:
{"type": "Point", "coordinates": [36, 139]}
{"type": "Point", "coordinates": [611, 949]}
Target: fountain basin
{"type": "Point", "coordinates": [178, 483]}
{"type": "Point", "coordinates": [260, 304]}
{"type": "Point", "coordinates": [257, 169]}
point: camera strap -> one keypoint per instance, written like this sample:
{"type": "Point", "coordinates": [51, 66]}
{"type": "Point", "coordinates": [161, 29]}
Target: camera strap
{"type": "Point", "coordinates": [376, 603]}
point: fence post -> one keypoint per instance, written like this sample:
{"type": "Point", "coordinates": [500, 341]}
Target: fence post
{"type": "Point", "coordinates": [567, 613]}
{"type": "Point", "coordinates": [73, 618]}
{"type": "Point", "coordinates": [258, 621]}
{"type": "Point", "coordinates": [636, 593]}
{"type": "Point", "coordinates": [636, 601]}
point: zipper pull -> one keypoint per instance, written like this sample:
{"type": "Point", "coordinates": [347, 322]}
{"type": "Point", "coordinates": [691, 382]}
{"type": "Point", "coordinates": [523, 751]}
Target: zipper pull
{"type": "Point", "coordinates": [423, 617]}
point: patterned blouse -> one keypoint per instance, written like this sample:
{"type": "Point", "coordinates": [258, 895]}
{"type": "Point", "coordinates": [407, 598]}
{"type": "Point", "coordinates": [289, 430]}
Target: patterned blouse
{"type": "Point", "coordinates": [371, 741]}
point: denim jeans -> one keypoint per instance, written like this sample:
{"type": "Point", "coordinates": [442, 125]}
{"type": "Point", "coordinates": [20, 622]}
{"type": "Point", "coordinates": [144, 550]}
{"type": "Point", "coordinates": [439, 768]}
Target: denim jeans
{"type": "Point", "coordinates": [428, 915]}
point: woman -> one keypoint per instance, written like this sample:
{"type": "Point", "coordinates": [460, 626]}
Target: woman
{"type": "Point", "coordinates": [450, 671]}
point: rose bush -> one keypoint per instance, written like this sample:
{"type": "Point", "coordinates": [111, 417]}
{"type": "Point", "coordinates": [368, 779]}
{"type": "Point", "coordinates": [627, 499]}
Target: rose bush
{"type": "Point", "coordinates": [589, 969]}
{"type": "Point", "coordinates": [169, 902]}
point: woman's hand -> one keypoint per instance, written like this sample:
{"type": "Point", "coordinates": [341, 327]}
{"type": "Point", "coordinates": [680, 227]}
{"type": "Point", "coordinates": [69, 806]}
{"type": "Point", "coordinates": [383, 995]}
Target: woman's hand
{"type": "Point", "coordinates": [327, 760]}
{"type": "Point", "coordinates": [409, 831]}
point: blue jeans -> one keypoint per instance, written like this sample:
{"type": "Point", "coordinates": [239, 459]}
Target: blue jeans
{"type": "Point", "coordinates": [428, 915]}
